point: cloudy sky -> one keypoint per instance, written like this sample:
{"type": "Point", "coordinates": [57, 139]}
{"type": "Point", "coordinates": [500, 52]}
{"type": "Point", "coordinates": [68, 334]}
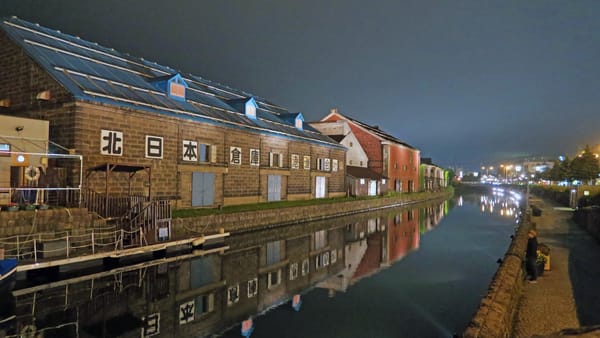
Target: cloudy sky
{"type": "Point", "coordinates": [469, 83]}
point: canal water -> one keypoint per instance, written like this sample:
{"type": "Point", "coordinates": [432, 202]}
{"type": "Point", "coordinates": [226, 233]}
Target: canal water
{"type": "Point", "coordinates": [417, 271]}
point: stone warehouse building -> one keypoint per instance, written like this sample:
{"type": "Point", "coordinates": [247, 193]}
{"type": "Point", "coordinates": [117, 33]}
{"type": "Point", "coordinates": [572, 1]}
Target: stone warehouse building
{"type": "Point", "coordinates": [149, 130]}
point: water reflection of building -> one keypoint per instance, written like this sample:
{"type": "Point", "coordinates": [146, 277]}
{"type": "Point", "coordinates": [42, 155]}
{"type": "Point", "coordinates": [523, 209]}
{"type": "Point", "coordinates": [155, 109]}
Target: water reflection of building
{"type": "Point", "coordinates": [199, 294]}
{"type": "Point", "coordinates": [376, 243]}
{"type": "Point", "coordinates": [431, 216]}
{"type": "Point", "coordinates": [187, 296]}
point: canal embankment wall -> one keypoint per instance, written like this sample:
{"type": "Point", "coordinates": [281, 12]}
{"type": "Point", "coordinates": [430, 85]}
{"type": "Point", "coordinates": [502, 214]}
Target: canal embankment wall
{"type": "Point", "coordinates": [496, 312]}
{"type": "Point", "coordinates": [79, 220]}
{"type": "Point", "coordinates": [30, 222]}
{"type": "Point", "coordinates": [589, 219]}
{"type": "Point", "coordinates": [251, 220]}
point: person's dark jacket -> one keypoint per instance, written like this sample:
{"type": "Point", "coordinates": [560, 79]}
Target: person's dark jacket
{"type": "Point", "coordinates": [532, 246]}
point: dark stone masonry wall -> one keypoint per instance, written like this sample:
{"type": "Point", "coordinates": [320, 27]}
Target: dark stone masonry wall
{"type": "Point", "coordinates": [45, 221]}
{"type": "Point", "coordinates": [496, 312]}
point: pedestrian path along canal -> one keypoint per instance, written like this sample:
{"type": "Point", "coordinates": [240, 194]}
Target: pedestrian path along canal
{"type": "Point", "coordinates": [416, 271]}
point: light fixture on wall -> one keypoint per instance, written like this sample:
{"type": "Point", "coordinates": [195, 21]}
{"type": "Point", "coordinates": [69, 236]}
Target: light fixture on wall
{"type": "Point", "coordinates": [5, 103]}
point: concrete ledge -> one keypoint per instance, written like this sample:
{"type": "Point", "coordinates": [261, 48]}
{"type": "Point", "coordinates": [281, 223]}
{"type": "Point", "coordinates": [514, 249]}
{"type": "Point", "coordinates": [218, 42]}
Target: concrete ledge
{"type": "Point", "coordinates": [495, 315]}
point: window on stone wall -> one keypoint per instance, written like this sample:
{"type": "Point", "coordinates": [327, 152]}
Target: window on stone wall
{"type": "Point", "coordinates": [208, 153]}
{"type": "Point", "coordinates": [255, 157]}
{"type": "Point", "coordinates": [275, 160]}
{"type": "Point", "coordinates": [295, 161]}
{"type": "Point", "coordinates": [4, 149]}
{"type": "Point", "coordinates": [306, 162]}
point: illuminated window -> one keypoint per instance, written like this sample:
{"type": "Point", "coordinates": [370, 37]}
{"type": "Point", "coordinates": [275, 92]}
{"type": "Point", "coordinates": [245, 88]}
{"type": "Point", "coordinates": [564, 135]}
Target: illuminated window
{"type": "Point", "coordinates": [306, 162]}
{"type": "Point", "coordinates": [295, 159]}
{"type": "Point", "coordinates": [4, 149]}
{"type": "Point", "coordinates": [177, 90]}
{"type": "Point", "coordinates": [251, 110]}
{"type": "Point", "coordinates": [255, 157]}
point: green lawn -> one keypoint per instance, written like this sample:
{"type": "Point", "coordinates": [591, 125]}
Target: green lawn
{"type": "Point", "coordinates": [193, 212]}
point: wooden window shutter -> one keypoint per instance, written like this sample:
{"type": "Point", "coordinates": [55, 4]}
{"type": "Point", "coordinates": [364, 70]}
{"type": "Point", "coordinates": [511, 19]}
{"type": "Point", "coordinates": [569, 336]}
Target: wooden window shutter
{"type": "Point", "coordinates": [270, 159]}
{"type": "Point", "coordinates": [280, 160]}
{"type": "Point", "coordinates": [213, 153]}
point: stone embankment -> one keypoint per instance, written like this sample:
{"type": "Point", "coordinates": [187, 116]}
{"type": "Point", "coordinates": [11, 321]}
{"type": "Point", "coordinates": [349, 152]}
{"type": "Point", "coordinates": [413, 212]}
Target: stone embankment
{"type": "Point", "coordinates": [565, 301]}
{"type": "Point", "coordinates": [494, 317]}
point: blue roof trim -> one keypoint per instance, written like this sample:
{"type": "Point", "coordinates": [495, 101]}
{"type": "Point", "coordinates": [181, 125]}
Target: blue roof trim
{"type": "Point", "coordinates": [84, 68]}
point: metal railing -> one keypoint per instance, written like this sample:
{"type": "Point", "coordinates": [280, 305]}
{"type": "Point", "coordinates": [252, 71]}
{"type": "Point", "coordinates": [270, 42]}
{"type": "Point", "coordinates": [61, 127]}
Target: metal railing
{"type": "Point", "coordinates": [52, 246]}
{"type": "Point", "coordinates": [154, 217]}
{"type": "Point", "coordinates": [110, 206]}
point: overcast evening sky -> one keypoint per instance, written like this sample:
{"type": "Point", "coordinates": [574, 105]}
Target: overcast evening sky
{"type": "Point", "coordinates": [467, 82]}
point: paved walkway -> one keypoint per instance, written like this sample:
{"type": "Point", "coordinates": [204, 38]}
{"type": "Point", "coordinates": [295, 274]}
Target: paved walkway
{"type": "Point", "coordinates": [567, 296]}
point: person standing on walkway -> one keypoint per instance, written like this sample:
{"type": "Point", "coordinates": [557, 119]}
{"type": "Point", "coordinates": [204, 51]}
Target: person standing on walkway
{"type": "Point", "coordinates": [531, 256]}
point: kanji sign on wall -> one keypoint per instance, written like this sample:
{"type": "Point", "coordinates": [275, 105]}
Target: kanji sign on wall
{"type": "Point", "coordinates": [111, 142]}
{"type": "Point", "coordinates": [190, 151]}
{"type": "Point", "coordinates": [154, 146]}
{"type": "Point", "coordinates": [235, 155]}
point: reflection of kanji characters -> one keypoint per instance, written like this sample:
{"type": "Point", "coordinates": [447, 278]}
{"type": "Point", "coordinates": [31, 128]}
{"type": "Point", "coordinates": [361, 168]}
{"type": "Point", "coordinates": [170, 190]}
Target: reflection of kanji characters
{"type": "Point", "coordinates": [112, 142]}
{"type": "Point", "coordinates": [190, 150]}
{"type": "Point", "coordinates": [186, 312]}
{"type": "Point", "coordinates": [151, 325]}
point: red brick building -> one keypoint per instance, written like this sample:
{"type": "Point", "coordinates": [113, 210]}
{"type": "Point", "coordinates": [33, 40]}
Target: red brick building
{"type": "Point", "coordinates": [149, 130]}
{"type": "Point", "coordinates": [397, 161]}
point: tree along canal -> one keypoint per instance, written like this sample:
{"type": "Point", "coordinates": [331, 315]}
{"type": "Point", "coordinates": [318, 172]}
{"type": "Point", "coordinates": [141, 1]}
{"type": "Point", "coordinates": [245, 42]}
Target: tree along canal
{"type": "Point", "coordinates": [416, 271]}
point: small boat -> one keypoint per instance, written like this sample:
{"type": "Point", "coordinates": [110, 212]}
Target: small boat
{"type": "Point", "coordinates": [8, 267]}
